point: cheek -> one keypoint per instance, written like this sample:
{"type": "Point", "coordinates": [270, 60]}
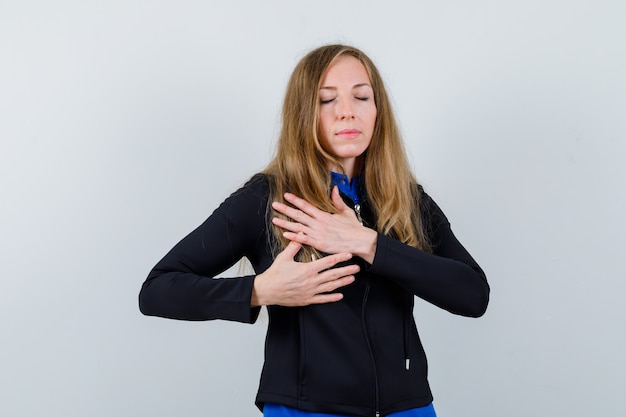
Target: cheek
{"type": "Point", "coordinates": [372, 118]}
{"type": "Point", "coordinates": [322, 132]}
{"type": "Point", "coordinates": [324, 126]}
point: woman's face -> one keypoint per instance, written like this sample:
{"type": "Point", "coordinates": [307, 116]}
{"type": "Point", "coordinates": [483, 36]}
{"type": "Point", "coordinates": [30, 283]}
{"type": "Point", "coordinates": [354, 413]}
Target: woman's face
{"type": "Point", "coordinates": [347, 112]}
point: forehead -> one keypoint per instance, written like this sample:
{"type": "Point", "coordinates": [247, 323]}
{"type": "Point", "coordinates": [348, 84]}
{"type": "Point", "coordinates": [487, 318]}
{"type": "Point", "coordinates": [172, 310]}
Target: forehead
{"type": "Point", "coordinates": [346, 69]}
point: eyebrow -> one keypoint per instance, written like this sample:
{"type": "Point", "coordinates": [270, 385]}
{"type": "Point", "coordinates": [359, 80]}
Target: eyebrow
{"type": "Point", "coordinates": [353, 87]}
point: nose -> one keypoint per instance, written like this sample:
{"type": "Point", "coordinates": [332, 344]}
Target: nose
{"type": "Point", "coordinates": [345, 109]}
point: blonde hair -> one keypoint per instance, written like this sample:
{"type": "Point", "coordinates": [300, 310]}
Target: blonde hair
{"type": "Point", "coordinates": [300, 165]}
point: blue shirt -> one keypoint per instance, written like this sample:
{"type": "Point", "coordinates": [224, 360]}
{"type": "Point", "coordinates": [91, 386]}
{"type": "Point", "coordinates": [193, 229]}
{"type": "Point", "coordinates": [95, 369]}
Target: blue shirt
{"type": "Point", "coordinates": [275, 410]}
{"type": "Point", "coordinates": [349, 188]}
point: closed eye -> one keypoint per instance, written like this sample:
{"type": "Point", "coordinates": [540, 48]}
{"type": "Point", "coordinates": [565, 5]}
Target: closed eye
{"type": "Point", "coordinates": [326, 101]}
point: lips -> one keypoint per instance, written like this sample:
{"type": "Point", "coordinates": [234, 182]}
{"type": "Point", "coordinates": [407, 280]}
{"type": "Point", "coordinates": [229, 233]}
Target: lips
{"type": "Point", "coordinates": [348, 133]}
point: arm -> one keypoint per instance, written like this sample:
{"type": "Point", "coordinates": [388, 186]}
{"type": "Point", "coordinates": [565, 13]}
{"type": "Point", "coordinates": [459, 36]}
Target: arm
{"type": "Point", "coordinates": [182, 284]}
{"type": "Point", "coordinates": [448, 277]}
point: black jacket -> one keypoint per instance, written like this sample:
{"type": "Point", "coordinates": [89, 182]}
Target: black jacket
{"type": "Point", "coordinates": [359, 356]}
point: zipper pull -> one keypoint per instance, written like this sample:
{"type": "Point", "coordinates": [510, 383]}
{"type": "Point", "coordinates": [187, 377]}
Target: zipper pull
{"type": "Point", "coordinates": [357, 210]}
{"type": "Point", "coordinates": [407, 363]}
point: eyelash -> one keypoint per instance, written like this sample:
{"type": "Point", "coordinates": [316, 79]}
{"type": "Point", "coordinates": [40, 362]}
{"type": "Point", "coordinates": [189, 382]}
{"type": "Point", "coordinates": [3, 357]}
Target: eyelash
{"type": "Point", "coordinates": [332, 99]}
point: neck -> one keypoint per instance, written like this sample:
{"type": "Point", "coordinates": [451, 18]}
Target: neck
{"type": "Point", "coordinates": [351, 167]}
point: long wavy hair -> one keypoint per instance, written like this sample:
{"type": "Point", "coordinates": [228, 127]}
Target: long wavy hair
{"type": "Point", "coordinates": [301, 166]}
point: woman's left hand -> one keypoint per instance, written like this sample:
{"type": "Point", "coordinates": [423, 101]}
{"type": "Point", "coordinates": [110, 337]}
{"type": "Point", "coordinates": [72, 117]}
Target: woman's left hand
{"type": "Point", "coordinates": [326, 232]}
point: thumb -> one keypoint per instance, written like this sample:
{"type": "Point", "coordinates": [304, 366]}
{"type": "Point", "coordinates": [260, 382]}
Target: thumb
{"type": "Point", "coordinates": [337, 200]}
{"type": "Point", "coordinates": [291, 250]}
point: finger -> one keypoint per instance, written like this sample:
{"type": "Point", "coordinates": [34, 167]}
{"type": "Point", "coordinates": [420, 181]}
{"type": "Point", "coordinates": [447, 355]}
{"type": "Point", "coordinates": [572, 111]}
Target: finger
{"type": "Point", "coordinates": [291, 250]}
{"type": "Point", "coordinates": [295, 214]}
{"type": "Point", "coordinates": [334, 274]}
{"type": "Point", "coordinates": [333, 285]}
{"type": "Point", "coordinates": [326, 298]}
{"type": "Point", "coordinates": [337, 200]}
{"type": "Point", "coordinates": [290, 226]}
{"type": "Point", "coordinates": [303, 205]}
{"type": "Point", "coordinates": [299, 237]}
{"type": "Point", "coordinates": [329, 261]}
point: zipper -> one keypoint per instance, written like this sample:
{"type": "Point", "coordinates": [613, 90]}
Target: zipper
{"type": "Point", "coordinates": [407, 326]}
{"type": "Point", "coordinates": [302, 354]}
{"type": "Point", "coordinates": [357, 210]}
{"type": "Point", "coordinates": [356, 205]}
{"type": "Point", "coordinates": [369, 347]}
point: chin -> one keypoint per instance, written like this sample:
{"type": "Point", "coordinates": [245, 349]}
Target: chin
{"type": "Point", "coordinates": [350, 154]}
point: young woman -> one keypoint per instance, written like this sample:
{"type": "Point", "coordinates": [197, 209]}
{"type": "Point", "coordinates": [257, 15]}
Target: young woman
{"type": "Point", "coordinates": [341, 238]}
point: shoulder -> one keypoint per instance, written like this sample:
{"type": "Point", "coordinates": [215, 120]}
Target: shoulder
{"type": "Point", "coordinates": [258, 182]}
{"type": "Point", "coordinates": [247, 202]}
{"type": "Point", "coordinates": [256, 187]}
{"type": "Point", "coordinates": [241, 217]}
{"type": "Point", "coordinates": [432, 215]}
{"type": "Point", "coordinates": [427, 204]}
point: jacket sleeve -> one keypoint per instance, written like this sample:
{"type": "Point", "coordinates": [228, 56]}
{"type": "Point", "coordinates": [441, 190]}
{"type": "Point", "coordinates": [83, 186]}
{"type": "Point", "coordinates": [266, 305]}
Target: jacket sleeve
{"type": "Point", "coordinates": [448, 277]}
{"type": "Point", "coordinates": [183, 284]}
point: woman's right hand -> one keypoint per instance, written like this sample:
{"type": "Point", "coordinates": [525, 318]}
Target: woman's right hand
{"type": "Point", "coordinates": [290, 283]}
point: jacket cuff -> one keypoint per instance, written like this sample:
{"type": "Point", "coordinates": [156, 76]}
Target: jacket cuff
{"type": "Point", "coordinates": [247, 313]}
{"type": "Point", "coordinates": [380, 257]}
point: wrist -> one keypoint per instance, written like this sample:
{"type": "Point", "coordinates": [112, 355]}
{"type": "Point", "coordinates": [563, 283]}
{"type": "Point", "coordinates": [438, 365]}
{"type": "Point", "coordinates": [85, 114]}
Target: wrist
{"type": "Point", "coordinates": [257, 299]}
{"type": "Point", "coordinates": [367, 248]}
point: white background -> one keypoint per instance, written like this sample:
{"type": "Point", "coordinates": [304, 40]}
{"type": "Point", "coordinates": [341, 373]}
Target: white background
{"type": "Point", "coordinates": [123, 124]}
